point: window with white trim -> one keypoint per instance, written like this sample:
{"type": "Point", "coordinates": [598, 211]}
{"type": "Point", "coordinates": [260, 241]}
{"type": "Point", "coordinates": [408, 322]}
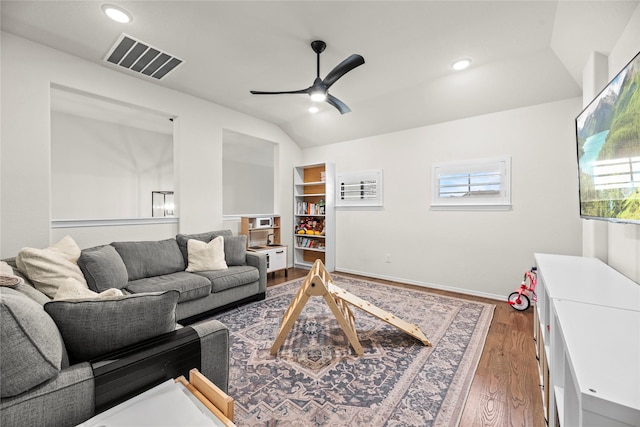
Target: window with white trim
{"type": "Point", "coordinates": [473, 184]}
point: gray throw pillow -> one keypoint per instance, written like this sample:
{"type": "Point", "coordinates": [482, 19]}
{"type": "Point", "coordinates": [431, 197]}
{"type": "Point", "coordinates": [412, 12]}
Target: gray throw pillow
{"type": "Point", "coordinates": [103, 268]}
{"type": "Point", "coordinates": [235, 250]}
{"type": "Point", "coordinates": [150, 258]}
{"type": "Point", "coordinates": [32, 350]}
{"type": "Point", "coordinates": [91, 328]}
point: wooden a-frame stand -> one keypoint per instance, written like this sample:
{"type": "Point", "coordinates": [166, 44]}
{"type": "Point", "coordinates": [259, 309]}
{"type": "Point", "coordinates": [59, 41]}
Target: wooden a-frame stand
{"type": "Point", "coordinates": [319, 283]}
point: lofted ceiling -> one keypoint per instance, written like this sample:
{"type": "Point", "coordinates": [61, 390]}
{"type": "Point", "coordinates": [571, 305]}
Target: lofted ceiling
{"type": "Point", "coordinates": [524, 53]}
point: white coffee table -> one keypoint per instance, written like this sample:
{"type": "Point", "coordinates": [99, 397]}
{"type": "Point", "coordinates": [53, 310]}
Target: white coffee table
{"type": "Point", "coordinates": [173, 403]}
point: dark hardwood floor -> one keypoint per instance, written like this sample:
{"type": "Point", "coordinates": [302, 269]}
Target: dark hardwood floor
{"type": "Point", "coordinates": [506, 388]}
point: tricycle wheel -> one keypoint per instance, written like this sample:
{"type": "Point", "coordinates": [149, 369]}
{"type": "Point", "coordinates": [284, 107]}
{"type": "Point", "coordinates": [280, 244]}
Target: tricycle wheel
{"type": "Point", "coordinates": [519, 301]}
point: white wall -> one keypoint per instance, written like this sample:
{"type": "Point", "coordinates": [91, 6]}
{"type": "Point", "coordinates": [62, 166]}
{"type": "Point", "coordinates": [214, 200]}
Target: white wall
{"type": "Point", "coordinates": [248, 175]}
{"type": "Point", "coordinates": [594, 233]}
{"type": "Point", "coordinates": [106, 170]}
{"type": "Point", "coordinates": [616, 244]}
{"type": "Point", "coordinates": [484, 253]}
{"type": "Point", "coordinates": [28, 71]}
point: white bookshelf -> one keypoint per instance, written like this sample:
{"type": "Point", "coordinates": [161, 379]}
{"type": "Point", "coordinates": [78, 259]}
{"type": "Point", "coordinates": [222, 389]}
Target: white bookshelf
{"type": "Point", "coordinates": [588, 340]}
{"type": "Point", "coordinates": [314, 202]}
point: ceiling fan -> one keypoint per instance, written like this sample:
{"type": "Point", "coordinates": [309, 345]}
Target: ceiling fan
{"type": "Point", "coordinates": [319, 90]}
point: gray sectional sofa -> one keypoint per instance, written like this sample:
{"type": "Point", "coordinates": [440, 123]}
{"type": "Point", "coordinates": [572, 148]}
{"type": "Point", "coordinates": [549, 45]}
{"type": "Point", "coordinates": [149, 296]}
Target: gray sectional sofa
{"type": "Point", "coordinates": [152, 266]}
{"type": "Point", "coordinates": [63, 361]}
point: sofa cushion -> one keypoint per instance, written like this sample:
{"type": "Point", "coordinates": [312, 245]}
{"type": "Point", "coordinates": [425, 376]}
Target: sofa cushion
{"type": "Point", "coordinates": [206, 256]}
{"type": "Point", "coordinates": [48, 268]}
{"type": "Point", "coordinates": [32, 349]}
{"type": "Point", "coordinates": [150, 258]}
{"type": "Point", "coordinates": [103, 268]}
{"type": "Point", "coordinates": [235, 250]}
{"type": "Point", "coordinates": [190, 286]}
{"type": "Point", "coordinates": [91, 328]}
{"type": "Point", "coordinates": [182, 240]}
{"type": "Point", "coordinates": [231, 277]}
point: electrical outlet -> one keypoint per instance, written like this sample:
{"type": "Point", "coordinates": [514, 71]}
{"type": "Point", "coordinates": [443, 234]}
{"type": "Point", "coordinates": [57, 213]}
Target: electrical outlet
{"type": "Point", "coordinates": [387, 258]}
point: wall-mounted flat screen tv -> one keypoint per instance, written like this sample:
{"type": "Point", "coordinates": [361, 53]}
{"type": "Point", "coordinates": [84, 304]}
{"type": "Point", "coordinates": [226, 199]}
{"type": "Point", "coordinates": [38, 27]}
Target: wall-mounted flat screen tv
{"type": "Point", "coordinates": [608, 140]}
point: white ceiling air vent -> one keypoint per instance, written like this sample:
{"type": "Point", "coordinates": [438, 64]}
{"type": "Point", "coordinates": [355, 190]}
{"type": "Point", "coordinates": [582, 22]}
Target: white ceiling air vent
{"type": "Point", "coordinates": [141, 58]}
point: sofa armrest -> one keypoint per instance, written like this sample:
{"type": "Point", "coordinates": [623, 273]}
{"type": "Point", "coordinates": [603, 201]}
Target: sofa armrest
{"type": "Point", "coordinates": [214, 345]}
{"type": "Point", "coordinates": [127, 372]}
{"type": "Point", "coordinates": [259, 261]}
{"type": "Point", "coordinates": [66, 400]}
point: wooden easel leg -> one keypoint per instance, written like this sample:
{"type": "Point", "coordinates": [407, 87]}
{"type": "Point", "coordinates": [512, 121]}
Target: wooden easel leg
{"type": "Point", "coordinates": [290, 316]}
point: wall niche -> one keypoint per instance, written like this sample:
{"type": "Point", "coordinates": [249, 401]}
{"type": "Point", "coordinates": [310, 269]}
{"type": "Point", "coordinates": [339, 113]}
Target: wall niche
{"type": "Point", "coordinates": [107, 157]}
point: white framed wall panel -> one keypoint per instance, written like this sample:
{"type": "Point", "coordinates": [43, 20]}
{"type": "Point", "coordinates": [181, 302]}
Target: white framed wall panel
{"type": "Point", "coordinates": [363, 188]}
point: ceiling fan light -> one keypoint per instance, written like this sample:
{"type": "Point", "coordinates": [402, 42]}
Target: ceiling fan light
{"type": "Point", "coordinates": [313, 109]}
{"type": "Point", "coordinates": [318, 96]}
{"type": "Point", "coordinates": [461, 64]}
{"type": "Point", "coordinates": [117, 13]}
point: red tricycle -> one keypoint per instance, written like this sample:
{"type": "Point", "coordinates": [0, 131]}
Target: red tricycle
{"type": "Point", "coordinates": [519, 299]}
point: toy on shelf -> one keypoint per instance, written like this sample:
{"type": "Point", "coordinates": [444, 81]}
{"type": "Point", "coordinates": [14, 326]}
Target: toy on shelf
{"type": "Point", "coordinates": [310, 226]}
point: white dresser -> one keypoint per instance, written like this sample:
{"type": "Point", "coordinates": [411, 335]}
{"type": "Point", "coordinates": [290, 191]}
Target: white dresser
{"type": "Point", "coordinates": [587, 330]}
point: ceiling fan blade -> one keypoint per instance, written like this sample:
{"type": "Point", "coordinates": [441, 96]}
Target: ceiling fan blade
{"type": "Point", "coordinates": [259, 92]}
{"type": "Point", "coordinates": [343, 68]}
{"type": "Point", "coordinates": [341, 106]}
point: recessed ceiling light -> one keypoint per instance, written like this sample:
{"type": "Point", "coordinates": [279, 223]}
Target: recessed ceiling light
{"type": "Point", "coordinates": [117, 13]}
{"type": "Point", "coordinates": [461, 64]}
{"type": "Point", "coordinates": [313, 109]}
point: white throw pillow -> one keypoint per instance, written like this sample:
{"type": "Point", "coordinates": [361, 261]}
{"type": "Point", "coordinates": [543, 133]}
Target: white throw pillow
{"type": "Point", "coordinates": [72, 289]}
{"type": "Point", "coordinates": [49, 268]}
{"type": "Point", "coordinates": [67, 248]}
{"type": "Point", "coordinates": [206, 256]}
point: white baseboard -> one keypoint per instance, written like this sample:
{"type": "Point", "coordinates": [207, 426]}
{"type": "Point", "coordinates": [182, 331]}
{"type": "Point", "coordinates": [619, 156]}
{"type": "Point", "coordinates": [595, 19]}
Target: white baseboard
{"type": "Point", "coordinates": [425, 285]}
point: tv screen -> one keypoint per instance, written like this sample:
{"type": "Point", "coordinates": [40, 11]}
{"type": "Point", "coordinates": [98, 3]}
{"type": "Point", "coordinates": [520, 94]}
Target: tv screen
{"type": "Point", "coordinates": [608, 140]}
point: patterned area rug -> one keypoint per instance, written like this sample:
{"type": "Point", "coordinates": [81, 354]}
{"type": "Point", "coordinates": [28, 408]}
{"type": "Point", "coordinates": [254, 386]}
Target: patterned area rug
{"type": "Point", "coordinates": [317, 379]}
